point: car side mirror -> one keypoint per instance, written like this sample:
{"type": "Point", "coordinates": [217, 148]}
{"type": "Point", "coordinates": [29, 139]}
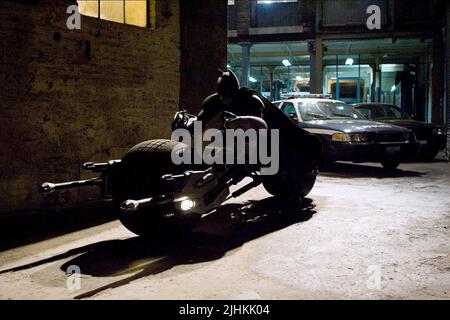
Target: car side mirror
{"type": "Point", "coordinates": [293, 116]}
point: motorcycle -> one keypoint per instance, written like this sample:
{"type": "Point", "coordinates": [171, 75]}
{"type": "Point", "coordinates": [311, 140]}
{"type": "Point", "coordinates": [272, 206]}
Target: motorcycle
{"type": "Point", "coordinates": [153, 196]}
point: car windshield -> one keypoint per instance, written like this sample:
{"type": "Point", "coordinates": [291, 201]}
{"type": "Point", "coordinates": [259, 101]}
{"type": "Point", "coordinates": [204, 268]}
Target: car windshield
{"type": "Point", "coordinates": [382, 111]}
{"type": "Point", "coordinates": [323, 110]}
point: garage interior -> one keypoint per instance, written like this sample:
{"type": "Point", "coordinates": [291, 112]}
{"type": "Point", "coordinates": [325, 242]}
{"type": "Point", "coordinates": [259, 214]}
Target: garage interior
{"type": "Point", "coordinates": [71, 96]}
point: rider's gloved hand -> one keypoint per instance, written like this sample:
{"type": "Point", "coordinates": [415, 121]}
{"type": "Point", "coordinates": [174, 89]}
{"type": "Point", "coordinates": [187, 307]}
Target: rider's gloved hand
{"type": "Point", "coordinates": [184, 120]}
{"type": "Point", "coordinates": [227, 116]}
{"type": "Point", "coordinates": [190, 124]}
{"type": "Point", "coordinates": [178, 120]}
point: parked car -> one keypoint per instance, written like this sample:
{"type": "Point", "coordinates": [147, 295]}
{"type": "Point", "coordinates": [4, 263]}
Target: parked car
{"type": "Point", "coordinates": [347, 135]}
{"type": "Point", "coordinates": [430, 138]}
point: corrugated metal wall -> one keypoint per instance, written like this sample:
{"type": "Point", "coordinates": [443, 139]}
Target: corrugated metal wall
{"type": "Point", "coordinates": [276, 14]}
{"type": "Point", "coordinates": [232, 17]}
{"type": "Point", "coordinates": [350, 12]}
{"type": "Point", "coordinates": [417, 10]}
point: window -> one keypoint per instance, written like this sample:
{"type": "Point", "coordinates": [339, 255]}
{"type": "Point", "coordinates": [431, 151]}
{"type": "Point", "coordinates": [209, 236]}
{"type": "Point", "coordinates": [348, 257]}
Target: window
{"type": "Point", "coordinates": [274, 1]}
{"type": "Point", "coordinates": [88, 8]}
{"type": "Point", "coordinates": [328, 111]}
{"type": "Point", "coordinates": [134, 12]}
{"type": "Point", "coordinates": [382, 111]}
{"type": "Point", "coordinates": [289, 109]}
{"type": "Point", "coordinates": [276, 103]}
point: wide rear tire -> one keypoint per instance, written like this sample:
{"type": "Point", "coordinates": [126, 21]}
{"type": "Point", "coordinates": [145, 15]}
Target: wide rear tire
{"type": "Point", "coordinates": [139, 176]}
{"type": "Point", "coordinates": [390, 164]}
{"type": "Point", "coordinates": [293, 183]}
{"type": "Point", "coordinates": [297, 173]}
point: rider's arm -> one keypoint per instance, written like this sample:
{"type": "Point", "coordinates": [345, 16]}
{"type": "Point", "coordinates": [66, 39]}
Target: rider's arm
{"type": "Point", "coordinates": [211, 106]}
{"type": "Point", "coordinates": [255, 107]}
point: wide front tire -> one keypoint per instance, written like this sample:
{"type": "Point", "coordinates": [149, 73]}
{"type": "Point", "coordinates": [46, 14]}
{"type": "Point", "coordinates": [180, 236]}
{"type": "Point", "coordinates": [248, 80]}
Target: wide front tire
{"type": "Point", "coordinates": [139, 176]}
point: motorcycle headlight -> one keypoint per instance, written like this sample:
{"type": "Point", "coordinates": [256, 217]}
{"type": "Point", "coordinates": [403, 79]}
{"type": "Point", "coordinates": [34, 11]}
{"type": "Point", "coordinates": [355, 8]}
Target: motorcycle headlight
{"type": "Point", "coordinates": [438, 131]}
{"type": "Point", "coordinates": [187, 204]}
{"type": "Point", "coordinates": [349, 137]}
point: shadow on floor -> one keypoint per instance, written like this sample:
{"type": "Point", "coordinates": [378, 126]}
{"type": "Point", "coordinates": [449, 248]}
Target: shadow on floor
{"type": "Point", "coordinates": [230, 226]}
{"type": "Point", "coordinates": [23, 229]}
{"type": "Point", "coordinates": [357, 170]}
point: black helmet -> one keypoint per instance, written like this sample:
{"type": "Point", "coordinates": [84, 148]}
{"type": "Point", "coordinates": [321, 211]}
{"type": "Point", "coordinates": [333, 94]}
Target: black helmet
{"type": "Point", "coordinates": [227, 83]}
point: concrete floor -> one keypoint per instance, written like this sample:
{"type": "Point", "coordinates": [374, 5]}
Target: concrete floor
{"type": "Point", "coordinates": [362, 234]}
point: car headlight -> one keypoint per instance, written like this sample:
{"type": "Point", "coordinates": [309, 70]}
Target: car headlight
{"type": "Point", "coordinates": [358, 138]}
{"type": "Point", "coordinates": [349, 137]}
{"type": "Point", "coordinates": [438, 131]}
{"type": "Point", "coordinates": [340, 137]}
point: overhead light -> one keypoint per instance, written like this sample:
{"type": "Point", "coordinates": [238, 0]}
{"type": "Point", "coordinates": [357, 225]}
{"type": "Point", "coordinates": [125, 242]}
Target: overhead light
{"type": "Point", "coordinates": [286, 63]}
{"type": "Point", "coordinates": [228, 66]}
{"type": "Point", "coordinates": [251, 79]}
{"type": "Point", "coordinates": [349, 61]}
{"type": "Point", "coordinates": [393, 88]}
{"type": "Point", "coordinates": [298, 78]}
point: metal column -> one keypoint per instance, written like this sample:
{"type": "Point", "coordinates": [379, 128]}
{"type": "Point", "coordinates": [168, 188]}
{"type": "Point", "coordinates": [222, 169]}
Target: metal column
{"type": "Point", "coordinates": [245, 63]}
{"type": "Point", "coordinates": [316, 65]}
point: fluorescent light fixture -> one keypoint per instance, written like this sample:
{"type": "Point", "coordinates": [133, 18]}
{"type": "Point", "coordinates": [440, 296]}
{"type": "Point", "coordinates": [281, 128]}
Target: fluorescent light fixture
{"type": "Point", "coordinates": [251, 79]}
{"type": "Point", "coordinates": [298, 78]}
{"type": "Point", "coordinates": [391, 67]}
{"type": "Point", "coordinates": [393, 88]}
{"type": "Point", "coordinates": [349, 61]}
{"type": "Point", "coordinates": [286, 63]}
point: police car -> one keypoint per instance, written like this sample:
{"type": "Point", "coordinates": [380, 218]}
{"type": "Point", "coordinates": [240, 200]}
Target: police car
{"type": "Point", "coordinates": [347, 135]}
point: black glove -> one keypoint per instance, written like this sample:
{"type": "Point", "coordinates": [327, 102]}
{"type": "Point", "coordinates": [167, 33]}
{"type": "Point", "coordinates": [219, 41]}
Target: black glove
{"type": "Point", "coordinates": [184, 120]}
{"type": "Point", "coordinates": [226, 116]}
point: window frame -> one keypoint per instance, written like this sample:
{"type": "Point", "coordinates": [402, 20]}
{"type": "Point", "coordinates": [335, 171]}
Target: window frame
{"type": "Point", "coordinates": [150, 16]}
{"type": "Point", "coordinates": [274, 1]}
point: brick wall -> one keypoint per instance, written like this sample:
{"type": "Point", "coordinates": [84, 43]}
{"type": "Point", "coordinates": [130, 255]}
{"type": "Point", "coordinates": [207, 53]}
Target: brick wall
{"type": "Point", "coordinates": [82, 95]}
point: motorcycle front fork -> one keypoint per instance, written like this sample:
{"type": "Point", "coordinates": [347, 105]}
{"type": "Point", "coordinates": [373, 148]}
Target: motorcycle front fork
{"type": "Point", "coordinates": [192, 183]}
{"type": "Point", "coordinates": [101, 181]}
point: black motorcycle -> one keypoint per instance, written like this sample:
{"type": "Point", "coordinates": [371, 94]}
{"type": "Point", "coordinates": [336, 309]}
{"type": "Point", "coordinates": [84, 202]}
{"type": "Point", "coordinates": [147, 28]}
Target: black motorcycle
{"type": "Point", "coordinates": [152, 196]}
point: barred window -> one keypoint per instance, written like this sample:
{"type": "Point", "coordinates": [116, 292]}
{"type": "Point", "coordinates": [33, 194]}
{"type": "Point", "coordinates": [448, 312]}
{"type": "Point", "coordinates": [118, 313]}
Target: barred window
{"type": "Point", "coordinates": [139, 13]}
{"type": "Point", "coordinates": [274, 1]}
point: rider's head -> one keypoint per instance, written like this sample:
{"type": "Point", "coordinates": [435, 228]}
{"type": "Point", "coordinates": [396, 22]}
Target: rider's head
{"type": "Point", "coordinates": [227, 85]}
